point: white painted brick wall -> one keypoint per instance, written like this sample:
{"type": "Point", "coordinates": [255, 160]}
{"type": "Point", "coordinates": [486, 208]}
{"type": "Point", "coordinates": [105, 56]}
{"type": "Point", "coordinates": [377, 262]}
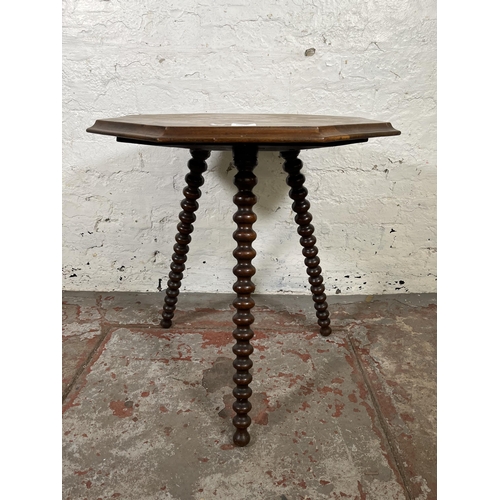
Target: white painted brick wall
{"type": "Point", "coordinates": [374, 204]}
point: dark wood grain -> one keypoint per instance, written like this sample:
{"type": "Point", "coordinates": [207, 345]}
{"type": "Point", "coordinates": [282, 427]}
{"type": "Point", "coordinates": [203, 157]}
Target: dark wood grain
{"type": "Point", "coordinates": [228, 129]}
{"type": "Point", "coordinates": [194, 180]}
{"type": "Point", "coordinates": [245, 160]}
{"type": "Point", "coordinates": [300, 206]}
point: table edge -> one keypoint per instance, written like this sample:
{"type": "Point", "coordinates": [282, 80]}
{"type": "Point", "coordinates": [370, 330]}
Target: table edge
{"type": "Point", "coordinates": [241, 135]}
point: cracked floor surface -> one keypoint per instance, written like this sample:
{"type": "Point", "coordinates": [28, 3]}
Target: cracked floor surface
{"type": "Point", "coordinates": [147, 411]}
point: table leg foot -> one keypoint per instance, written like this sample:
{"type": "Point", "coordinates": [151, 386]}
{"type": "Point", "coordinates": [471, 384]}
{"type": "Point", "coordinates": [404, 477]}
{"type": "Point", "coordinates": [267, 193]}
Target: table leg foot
{"type": "Point", "coordinates": [300, 206]}
{"type": "Point", "coordinates": [245, 160]}
{"type": "Point", "coordinates": [194, 180]}
{"type": "Point", "coordinates": [241, 437]}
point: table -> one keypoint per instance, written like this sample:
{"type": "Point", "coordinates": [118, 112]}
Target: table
{"type": "Point", "coordinates": [245, 135]}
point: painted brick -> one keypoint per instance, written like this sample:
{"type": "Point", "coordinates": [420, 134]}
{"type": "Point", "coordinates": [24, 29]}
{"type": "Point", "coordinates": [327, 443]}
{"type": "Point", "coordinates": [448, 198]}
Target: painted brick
{"type": "Point", "coordinates": [373, 59]}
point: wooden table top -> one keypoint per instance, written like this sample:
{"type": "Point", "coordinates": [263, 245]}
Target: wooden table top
{"type": "Point", "coordinates": [218, 131]}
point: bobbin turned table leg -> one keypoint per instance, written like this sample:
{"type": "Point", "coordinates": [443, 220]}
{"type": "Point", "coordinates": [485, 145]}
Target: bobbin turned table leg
{"type": "Point", "coordinates": [194, 180]}
{"type": "Point", "coordinates": [303, 218]}
{"type": "Point", "coordinates": [245, 160]}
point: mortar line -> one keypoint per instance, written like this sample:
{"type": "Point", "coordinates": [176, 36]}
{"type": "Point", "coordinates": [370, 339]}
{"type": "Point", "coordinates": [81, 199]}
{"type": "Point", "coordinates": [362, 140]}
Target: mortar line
{"type": "Point", "coordinates": [385, 428]}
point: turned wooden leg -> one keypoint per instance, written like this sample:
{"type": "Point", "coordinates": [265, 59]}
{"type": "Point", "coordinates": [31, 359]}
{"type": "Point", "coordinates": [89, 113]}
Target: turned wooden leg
{"type": "Point", "coordinates": [245, 160]}
{"type": "Point", "coordinates": [194, 180]}
{"type": "Point", "coordinates": [303, 218]}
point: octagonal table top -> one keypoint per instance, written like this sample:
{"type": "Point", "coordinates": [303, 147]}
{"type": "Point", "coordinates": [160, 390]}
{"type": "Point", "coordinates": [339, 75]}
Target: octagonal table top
{"type": "Point", "coordinates": [220, 131]}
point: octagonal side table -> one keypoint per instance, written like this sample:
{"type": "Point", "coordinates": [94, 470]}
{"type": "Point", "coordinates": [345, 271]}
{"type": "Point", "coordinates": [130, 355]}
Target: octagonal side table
{"type": "Point", "coordinates": [245, 135]}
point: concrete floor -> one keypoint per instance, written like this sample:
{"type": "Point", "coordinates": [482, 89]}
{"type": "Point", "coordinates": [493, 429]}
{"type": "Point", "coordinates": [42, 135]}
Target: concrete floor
{"type": "Point", "coordinates": [147, 412]}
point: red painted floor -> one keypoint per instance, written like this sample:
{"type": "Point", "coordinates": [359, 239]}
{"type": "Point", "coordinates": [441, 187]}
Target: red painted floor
{"type": "Point", "coordinates": [147, 411]}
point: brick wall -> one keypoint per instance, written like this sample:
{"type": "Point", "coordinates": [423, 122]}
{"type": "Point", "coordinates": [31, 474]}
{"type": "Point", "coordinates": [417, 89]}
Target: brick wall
{"type": "Point", "coordinates": [374, 204]}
